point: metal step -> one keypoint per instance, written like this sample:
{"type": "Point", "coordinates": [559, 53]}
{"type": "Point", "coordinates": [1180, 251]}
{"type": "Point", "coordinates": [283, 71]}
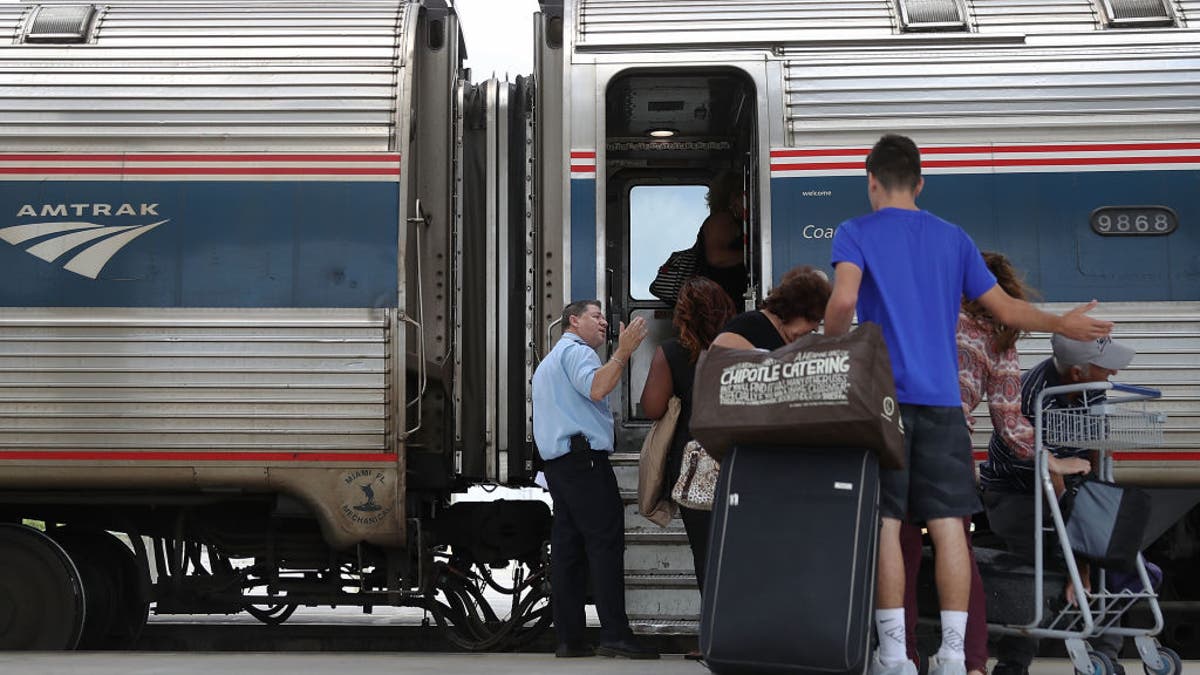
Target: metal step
{"type": "Point", "coordinates": [636, 522]}
{"type": "Point", "coordinates": [649, 625]}
{"type": "Point", "coordinates": [662, 596]}
{"type": "Point", "coordinates": [627, 475]}
{"type": "Point", "coordinates": [658, 557]}
{"type": "Point", "coordinates": [660, 582]}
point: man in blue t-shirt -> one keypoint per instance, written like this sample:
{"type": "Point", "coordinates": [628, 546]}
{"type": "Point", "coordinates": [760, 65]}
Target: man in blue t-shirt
{"type": "Point", "coordinates": [908, 270]}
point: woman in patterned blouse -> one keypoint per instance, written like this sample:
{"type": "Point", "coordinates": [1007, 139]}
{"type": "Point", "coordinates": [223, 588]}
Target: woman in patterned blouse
{"type": "Point", "coordinates": [987, 364]}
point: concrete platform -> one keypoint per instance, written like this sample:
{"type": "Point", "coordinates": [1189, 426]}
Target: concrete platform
{"type": "Point", "coordinates": [165, 663]}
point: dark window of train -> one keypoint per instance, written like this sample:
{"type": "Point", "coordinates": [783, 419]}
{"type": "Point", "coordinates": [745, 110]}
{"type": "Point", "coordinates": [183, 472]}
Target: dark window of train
{"type": "Point", "coordinates": [554, 32]}
{"type": "Point", "coordinates": [437, 34]}
{"type": "Point", "coordinates": [60, 24]}
{"type": "Point", "coordinates": [932, 15]}
{"type": "Point", "coordinates": [1138, 13]}
{"type": "Point", "coordinates": [1134, 221]}
{"type": "Point", "coordinates": [662, 219]}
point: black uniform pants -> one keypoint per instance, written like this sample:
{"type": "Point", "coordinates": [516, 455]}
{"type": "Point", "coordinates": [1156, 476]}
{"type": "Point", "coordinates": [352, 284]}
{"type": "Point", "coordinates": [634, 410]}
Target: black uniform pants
{"type": "Point", "coordinates": [588, 537]}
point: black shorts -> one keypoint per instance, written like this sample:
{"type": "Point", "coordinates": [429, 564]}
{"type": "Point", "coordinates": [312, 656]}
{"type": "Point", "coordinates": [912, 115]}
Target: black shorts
{"type": "Point", "coordinates": [938, 478]}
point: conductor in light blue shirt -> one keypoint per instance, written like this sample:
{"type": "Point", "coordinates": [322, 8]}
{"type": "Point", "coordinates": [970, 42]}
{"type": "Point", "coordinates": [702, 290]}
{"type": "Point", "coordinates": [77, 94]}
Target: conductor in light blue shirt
{"type": "Point", "coordinates": [573, 429]}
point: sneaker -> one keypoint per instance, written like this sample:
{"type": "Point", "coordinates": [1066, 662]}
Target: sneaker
{"type": "Point", "coordinates": [905, 667]}
{"type": "Point", "coordinates": [1009, 668]}
{"type": "Point", "coordinates": [938, 666]}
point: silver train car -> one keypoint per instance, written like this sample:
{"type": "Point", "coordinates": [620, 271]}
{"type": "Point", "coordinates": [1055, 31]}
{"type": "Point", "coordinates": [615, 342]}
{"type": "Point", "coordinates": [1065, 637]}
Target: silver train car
{"type": "Point", "coordinates": [275, 276]}
{"type": "Point", "coordinates": [1063, 134]}
{"type": "Point", "coordinates": [253, 255]}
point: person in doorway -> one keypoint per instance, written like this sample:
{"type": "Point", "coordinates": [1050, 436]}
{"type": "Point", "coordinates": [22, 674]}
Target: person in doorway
{"type": "Point", "coordinates": [702, 310]}
{"type": "Point", "coordinates": [908, 270]}
{"type": "Point", "coordinates": [573, 430]}
{"type": "Point", "coordinates": [987, 364]}
{"type": "Point", "coordinates": [1008, 474]}
{"type": "Point", "coordinates": [722, 238]}
{"type": "Point", "coordinates": [792, 310]}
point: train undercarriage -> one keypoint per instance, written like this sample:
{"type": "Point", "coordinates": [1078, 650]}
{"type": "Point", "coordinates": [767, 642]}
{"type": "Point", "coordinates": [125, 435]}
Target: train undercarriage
{"type": "Point", "coordinates": [86, 575]}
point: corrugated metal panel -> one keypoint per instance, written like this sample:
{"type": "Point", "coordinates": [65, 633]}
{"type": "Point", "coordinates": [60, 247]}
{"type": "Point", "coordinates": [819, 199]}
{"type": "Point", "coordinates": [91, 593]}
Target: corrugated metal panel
{"type": "Point", "coordinates": [950, 95]}
{"type": "Point", "coordinates": [1167, 339]}
{"type": "Point", "coordinates": [1189, 12]}
{"type": "Point", "coordinates": [202, 74]}
{"type": "Point", "coordinates": [601, 23]}
{"type": "Point", "coordinates": [167, 380]}
{"type": "Point", "coordinates": [1034, 16]}
{"type": "Point", "coordinates": [608, 23]}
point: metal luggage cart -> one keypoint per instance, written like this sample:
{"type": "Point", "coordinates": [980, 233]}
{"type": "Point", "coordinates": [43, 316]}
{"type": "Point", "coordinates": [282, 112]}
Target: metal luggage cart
{"type": "Point", "coordinates": [1118, 422]}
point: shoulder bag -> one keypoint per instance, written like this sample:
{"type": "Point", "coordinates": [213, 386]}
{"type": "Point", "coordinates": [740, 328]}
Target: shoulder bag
{"type": "Point", "coordinates": [697, 479]}
{"type": "Point", "coordinates": [652, 502]}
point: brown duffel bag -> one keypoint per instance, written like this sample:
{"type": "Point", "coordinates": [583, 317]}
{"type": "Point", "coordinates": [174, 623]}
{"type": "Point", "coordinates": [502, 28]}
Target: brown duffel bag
{"type": "Point", "coordinates": [817, 391]}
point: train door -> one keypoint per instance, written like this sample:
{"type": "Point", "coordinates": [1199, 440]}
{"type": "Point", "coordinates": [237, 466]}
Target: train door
{"type": "Point", "coordinates": [669, 133]}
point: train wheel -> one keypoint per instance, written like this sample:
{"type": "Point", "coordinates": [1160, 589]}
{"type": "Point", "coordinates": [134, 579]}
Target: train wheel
{"type": "Point", "coordinates": [42, 604]}
{"type": "Point", "coordinates": [116, 604]}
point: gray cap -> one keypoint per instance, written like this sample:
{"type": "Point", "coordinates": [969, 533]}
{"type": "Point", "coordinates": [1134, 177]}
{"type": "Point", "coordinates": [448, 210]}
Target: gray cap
{"type": "Point", "coordinates": [1102, 352]}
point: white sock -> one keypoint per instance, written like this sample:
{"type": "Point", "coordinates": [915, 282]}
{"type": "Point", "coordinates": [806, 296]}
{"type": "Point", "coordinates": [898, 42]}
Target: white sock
{"type": "Point", "coordinates": [954, 631]}
{"type": "Point", "coordinates": [889, 623]}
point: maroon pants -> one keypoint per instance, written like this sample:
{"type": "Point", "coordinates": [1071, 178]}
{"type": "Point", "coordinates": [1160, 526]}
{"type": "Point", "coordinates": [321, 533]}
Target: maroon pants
{"type": "Point", "coordinates": [976, 637]}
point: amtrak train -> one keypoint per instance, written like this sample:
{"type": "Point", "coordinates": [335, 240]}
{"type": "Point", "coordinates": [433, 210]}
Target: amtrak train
{"type": "Point", "coordinates": [275, 276]}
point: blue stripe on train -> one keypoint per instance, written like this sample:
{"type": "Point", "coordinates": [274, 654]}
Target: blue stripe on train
{"type": "Point", "coordinates": [225, 244]}
{"type": "Point", "coordinates": [583, 240]}
{"type": "Point", "coordinates": [1040, 220]}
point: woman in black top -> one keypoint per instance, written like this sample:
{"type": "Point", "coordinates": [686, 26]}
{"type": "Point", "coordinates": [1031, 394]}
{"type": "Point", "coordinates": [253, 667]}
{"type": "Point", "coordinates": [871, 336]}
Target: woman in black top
{"type": "Point", "coordinates": [703, 308]}
{"type": "Point", "coordinates": [793, 309]}
{"type": "Point", "coordinates": [722, 239]}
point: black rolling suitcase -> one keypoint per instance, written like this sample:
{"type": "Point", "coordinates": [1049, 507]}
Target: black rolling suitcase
{"type": "Point", "coordinates": [790, 586]}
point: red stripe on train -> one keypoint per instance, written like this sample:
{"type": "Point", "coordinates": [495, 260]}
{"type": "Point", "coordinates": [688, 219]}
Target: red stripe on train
{"type": "Point", "coordinates": [583, 154]}
{"type": "Point", "coordinates": [987, 164]}
{"type": "Point", "coordinates": [205, 170]}
{"type": "Point", "coordinates": [127, 455]}
{"type": "Point", "coordinates": [984, 149]}
{"type": "Point", "coordinates": [1135, 456]}
{"type": "Point", "coordinates": [376, 158]}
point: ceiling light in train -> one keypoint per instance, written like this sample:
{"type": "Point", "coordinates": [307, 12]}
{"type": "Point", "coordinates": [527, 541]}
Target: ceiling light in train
{"type": "Point", "coordinates": [662, 133]}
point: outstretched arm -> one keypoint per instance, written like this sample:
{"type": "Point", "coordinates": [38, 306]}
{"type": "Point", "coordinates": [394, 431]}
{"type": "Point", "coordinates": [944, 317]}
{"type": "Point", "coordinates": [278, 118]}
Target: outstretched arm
{"type": "Point", "coordinates": [1075, 324]}
{"type": "Point", "coordinates": [840, 310]}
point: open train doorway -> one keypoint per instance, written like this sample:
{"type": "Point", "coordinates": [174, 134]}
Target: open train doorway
{"type": "Point", "coordinates": [676, 140]}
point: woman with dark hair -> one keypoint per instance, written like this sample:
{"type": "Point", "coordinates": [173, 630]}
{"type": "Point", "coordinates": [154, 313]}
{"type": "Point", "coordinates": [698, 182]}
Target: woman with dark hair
{"type": "Point", "coordinates": [987, 364]}
{"type": "Point", "coordinates": [722, 239]}
{"type": "Point", "coordinates": [703, 308]}
{"type": "Point", "coordinates": [792, 309]}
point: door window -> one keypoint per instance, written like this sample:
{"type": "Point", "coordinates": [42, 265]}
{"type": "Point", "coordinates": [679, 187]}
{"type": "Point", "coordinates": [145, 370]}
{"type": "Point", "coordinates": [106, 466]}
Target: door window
{"type": "Point", "coordinates": [662, 219]}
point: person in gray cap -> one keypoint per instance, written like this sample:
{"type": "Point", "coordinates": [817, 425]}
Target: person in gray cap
{"type": "Point", "coordinates": [1008, 475]}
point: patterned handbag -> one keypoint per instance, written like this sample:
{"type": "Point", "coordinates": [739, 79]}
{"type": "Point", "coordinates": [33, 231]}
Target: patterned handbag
{"type": "Point", "coordinates": [680, 266]}
{"type": "Point", "coordinates": [697, 479]}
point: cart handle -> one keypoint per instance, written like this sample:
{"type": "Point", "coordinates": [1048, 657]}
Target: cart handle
{"type": "Point", "coordinates": [1146, 392]}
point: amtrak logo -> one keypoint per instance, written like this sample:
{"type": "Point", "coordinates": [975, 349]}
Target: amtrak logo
{"type": "Point", "coordinates": [54, 240]}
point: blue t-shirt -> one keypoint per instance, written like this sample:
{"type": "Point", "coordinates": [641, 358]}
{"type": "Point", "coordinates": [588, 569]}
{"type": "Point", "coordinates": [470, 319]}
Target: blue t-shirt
{"type": "Point", "coordinates": [916, 270]}
{"type": "Point", "coordinates": [562, 400]}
